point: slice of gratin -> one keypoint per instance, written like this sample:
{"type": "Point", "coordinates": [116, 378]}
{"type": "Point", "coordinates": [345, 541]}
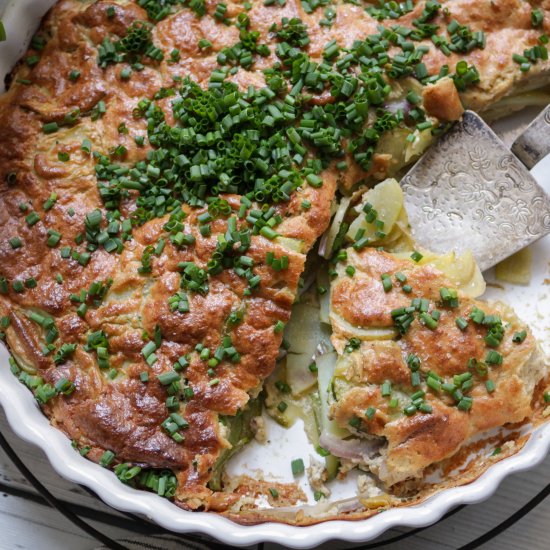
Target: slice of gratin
{"type": "Point", "coordinates": [454, 366]}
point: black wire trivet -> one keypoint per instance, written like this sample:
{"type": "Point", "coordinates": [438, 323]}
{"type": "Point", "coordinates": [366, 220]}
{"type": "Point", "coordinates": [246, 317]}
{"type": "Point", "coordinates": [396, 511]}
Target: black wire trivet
{"type": "Point", "coordinates": [142, 526]}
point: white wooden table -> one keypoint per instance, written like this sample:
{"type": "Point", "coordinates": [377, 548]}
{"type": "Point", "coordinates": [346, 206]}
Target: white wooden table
{"type": "Point", "coordinates": [27, 522]}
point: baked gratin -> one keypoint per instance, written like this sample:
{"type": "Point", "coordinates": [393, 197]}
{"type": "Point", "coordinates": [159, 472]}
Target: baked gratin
{"type": "Point", "coordinates": [165, 168]}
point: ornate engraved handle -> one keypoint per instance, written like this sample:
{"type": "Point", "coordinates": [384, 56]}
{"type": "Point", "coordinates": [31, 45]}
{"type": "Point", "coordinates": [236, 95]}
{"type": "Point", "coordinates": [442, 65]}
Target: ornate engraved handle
{"type": "Point", "coordinates": [534, 144]}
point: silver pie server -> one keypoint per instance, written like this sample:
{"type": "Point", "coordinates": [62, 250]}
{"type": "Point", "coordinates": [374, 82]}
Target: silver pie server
{"type": "Point", "coordinates": [470, 192]}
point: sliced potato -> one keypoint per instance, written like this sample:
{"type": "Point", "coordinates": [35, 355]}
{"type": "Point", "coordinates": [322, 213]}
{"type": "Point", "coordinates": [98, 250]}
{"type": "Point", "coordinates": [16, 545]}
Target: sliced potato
{"type": "Point", "coordinates": [304, 333]}
{"type": "Point", "coordinates": [335, 227]}
{"type": "Point", "coordinates": [367, 334]}
{"type": "Point", "coordinates": [380, 501]}
{"type": "Point", "coordinates": [302, 328]}
{"type": "Point", "coordinates": [516, 269]}
{"type": "Point", "coordinates": [413, 149]}
{"type": "Point", "coordinates": [387, 199]}
{"type": "Point", "coordinates": [324, 299]}
{"type": "Point", "coordinates": [331, 462]}
{"type": "Point", "coordinates": [461, 269]}
{"type": "Point", "coordinates": [394, 143]}
{"type": "Point", "coordinates": [296, 245]}
{"type": "Point", "coordinates": [326, 365]}
{"type": "Point", "coordinates": [300, 378]}
{"type": "Point", "coordinates": [476, 286]}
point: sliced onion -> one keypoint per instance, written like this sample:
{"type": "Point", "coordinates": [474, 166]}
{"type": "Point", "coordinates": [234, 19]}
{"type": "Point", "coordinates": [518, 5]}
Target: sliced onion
{"type": "Point", "coordinates": [309, 280]}
{"type": "Point", "coordinates": [358, 449]}
{"type": "Point", "coordinates": [348, 505]}
{"type": "Point", "coordinates": [325, 247]}
{"type": "Point", "coordinates": [400, 104]}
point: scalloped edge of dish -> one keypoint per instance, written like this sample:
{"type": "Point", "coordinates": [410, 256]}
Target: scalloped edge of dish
{"type": "Point", "coordinates": [27, 421]}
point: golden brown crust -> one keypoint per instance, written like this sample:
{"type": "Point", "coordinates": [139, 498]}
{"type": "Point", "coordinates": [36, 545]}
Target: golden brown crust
{"type": "Point", "coordinates": [441, 100]}
{"type": "Point", "coordinates": [414, 442]}
{"type": "Point", "coordinates": [125, 415]}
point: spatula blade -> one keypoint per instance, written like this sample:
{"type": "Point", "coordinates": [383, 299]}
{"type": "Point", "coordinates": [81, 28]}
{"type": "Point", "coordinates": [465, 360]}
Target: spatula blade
{"type": "Point", "coordinates": [469, 192]}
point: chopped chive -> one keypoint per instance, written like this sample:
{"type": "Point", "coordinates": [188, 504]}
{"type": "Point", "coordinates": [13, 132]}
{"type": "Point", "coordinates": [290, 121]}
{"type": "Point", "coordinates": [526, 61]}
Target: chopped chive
{"type": "Point", "coordinates": [433, 383]}
{"type": "Point", "coordinates": [537, 17]}
{"type": "Point", "coordinates": [204, 43]}
{"type": "Point", "coordinates": [401, 277]}
{"type": "Point", "coordinates": [125, 73]}
{"type": "Point", "coordinates": [48, 204]}
{"type": "Point", "coordinates": [50, 127]}
{"type": "Point", "coordinates": [282, 406]}
{"type": "Point", "coordinates": [53, 238]}
{"type": "Point", "coordinates": [465, 404]}
{"type": "Point", "coordinates": [106, 458]}
{"type": "Point", "coordinates": [428, 320]}
{"type": "Point", "coordinates": [15, 242]}
{"type": "Point", "coordinates": [32, 219]}
{"type": "Point", "coordinates": [268, 232]}
{"type": "Point", "coordinates": [425, 408]}
{"type": "Point", "coordinates": [86, 146]}
{"type": "Point", "coordinates": [297, 466]}
{"type": "Point", "coordinates": [32, 60]}
{"type": "Point", "coordinates": [166, 378]}
{"type": "Point", "coordinates": [493, 358]}
{"type": "Point", "coordinates": [355, 422]}
{"type": "Point", "coordinates": [17, 287]}
{"type": "Point", "coordinates": [386, 282]}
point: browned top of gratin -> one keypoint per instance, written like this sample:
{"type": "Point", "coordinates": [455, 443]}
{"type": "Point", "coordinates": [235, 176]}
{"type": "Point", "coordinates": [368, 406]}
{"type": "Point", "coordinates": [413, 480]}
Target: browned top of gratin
{"type": "Point", "coordinates": [147, 273]}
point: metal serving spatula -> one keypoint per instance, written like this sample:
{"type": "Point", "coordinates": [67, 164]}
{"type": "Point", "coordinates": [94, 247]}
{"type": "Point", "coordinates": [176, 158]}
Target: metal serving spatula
{"type": "Point", "coordinates": [469, 192]}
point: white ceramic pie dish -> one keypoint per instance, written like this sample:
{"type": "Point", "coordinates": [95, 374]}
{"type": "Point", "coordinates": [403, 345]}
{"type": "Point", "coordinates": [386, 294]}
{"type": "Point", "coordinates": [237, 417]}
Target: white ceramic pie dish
{"type": "Point", "coordinates": [24, 416]}
{"type": "Point", "coordinates": [30, 424]}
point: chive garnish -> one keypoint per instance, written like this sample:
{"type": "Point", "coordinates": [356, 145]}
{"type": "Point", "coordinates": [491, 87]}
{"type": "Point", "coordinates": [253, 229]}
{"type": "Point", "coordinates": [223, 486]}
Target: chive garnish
{"type": "Point", "coordinates": [15, 242]}
{"type": "Point", "coordinates": [297, 466]}
{"type": "Point", "coordinates": [106, 458]}
{"type": "Point", "coordinates": [386, 282]}
{"type": "Point", "coordinates": [519, 336]}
